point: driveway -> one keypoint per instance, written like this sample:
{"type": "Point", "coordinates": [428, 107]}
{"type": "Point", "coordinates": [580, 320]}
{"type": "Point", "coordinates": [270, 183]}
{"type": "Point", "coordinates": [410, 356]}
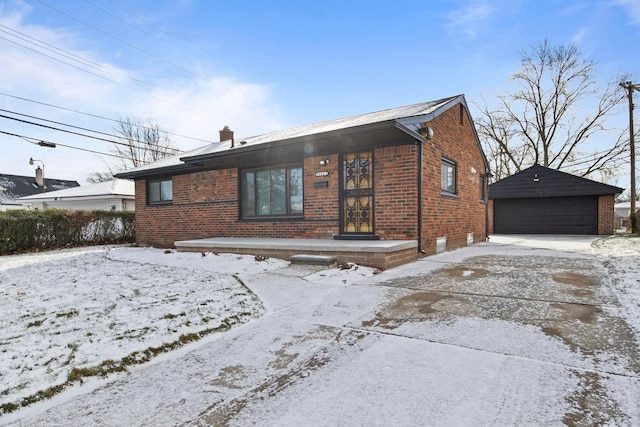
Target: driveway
{"type": "Point", "coordinates": [516, 331]}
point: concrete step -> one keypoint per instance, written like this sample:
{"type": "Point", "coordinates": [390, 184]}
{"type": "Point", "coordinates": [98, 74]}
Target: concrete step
{"type": "Point", "coordinates": [321, 260]}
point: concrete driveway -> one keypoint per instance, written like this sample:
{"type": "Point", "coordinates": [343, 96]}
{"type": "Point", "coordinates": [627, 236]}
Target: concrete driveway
{"type": "Point", "coordinates": [517, 331]}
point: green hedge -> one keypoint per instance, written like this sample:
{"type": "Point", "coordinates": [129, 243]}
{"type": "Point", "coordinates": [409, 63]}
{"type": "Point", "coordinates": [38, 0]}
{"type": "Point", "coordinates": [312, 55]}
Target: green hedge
{"type": "Point", "coordinates": [24, 230]}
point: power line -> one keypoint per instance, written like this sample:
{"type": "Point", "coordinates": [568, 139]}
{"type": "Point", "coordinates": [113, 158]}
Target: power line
{"type": "Point", "coordinates": [84, 135]}
{"type": "Point", "coordinates": [120, 19]}
{"type": "Point", "coordinates": [25, 37]}
{"type": "Point", "coordinates": [138, 17]}
{"type": "Point", "coordinates": [97, 116]}
{"type": "Point", "coordinates": [136, 81]}
{"type": "Point", "coordinates": [28, 138]}
{"type": "Point", "coordinates": [57, 59]}
{"type": "Point", "coordinates": [124, 41]}
{"type": "Point", "coordinates": [176, 151]}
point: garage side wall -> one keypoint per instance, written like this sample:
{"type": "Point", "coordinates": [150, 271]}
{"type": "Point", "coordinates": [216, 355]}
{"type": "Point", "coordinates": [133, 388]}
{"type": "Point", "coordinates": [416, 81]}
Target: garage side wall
{"type": "Point", "coordinates": [606, 214]}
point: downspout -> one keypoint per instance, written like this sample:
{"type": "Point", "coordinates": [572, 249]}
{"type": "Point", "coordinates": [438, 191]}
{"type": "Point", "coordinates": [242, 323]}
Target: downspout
{"type": "Point", "coordinates": [420, 179]}
{"type": "Point", "coordinates": [486, 220]}
{"type": "Point", "coordinates": [421, 135]}
{"type": "Point", "coordinates": [486, 205]}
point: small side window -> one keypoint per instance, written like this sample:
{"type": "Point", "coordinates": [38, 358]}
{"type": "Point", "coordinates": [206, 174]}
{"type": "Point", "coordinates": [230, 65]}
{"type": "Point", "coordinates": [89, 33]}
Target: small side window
{"type": "Point", "coordinates": [448, 178]}
{"type": "Point", "coordinates": [160, 191]}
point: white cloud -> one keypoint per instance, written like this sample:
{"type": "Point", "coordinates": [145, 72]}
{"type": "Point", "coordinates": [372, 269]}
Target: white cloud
{"type": "Point", "coordinates": [472, 17]}
{"type": "Point", "coordinates": [632, 8]}
{"type": "Point", "coordinates": [247, 107]}
{"type": "Point", "coordinates": [579, 36]}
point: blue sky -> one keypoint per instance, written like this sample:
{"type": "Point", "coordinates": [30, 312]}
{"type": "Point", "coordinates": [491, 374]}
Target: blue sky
{"type": "Point", "coordinates": [196, 66]}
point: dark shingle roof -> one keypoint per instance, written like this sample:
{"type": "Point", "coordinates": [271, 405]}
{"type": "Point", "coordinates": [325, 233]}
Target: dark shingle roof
{"type": "Point", "coordinates": [363, 130]}
{"type": "Point", "coordinates": [15, 186]}
{"type": "Point", "coordinates": [540, 181]}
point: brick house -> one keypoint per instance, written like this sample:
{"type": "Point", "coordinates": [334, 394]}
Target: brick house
{"type": "Point", "coordinates": [415, 173]}
{"type": "Point", "coordinates": [540, 200]}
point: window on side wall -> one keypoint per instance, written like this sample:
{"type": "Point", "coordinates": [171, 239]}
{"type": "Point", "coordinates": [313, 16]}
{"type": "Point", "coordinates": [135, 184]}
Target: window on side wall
{"type": "Point", "coordinates": [160, 191]}
{"type": "Point", "coordinates": [448, 177]}
{"type": "Point", "coordinates": [274, 192]}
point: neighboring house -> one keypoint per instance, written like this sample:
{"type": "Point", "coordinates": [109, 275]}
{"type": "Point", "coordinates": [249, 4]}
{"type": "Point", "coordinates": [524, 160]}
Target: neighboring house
{"type": "Point", "coordinates": [622, 211]}
{"type": "Point", "coordinates": [118, 194]}
{"type": "Point", "coordinates": [13, 187]}
{"type": "Point", "coordinates": [540, 200]}
{"type": "Point", "coordinates": [414, 173]}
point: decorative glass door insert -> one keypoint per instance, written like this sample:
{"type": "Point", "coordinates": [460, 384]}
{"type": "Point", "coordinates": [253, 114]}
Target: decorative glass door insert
{"type": "Point", "coordinates": [357, 193]}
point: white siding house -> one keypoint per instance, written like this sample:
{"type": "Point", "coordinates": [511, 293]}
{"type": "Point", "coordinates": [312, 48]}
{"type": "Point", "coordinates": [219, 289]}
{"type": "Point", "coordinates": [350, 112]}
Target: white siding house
{"type": "Point", "coordinates": [118, 195]}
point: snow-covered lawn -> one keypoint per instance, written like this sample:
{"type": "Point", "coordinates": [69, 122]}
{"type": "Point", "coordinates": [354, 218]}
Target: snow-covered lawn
{"type": "Point", "coordinates": [90, 312]}
{"type": "Point", "coordinates": [621, 256]}
{"type": "Point", "coordinates": [477, 336]}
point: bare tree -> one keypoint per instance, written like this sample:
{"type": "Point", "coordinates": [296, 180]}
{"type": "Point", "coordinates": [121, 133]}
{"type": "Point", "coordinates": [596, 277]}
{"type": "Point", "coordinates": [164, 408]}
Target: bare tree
{"type": "Point", "coordinates": [556, 107]}
{"type": "Point", "coordinates": [141, 143]}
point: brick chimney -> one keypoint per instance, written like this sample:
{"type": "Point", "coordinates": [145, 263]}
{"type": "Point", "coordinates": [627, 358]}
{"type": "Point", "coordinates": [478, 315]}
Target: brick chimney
{"type": "Point", "coordinates": [226, 134]}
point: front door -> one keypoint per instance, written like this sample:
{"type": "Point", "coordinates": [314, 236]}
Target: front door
{"type": "Point", "coordinates": [356, 181]}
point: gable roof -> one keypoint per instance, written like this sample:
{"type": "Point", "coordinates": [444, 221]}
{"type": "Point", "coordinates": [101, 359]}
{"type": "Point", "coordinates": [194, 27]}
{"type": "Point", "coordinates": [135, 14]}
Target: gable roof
{"type": "Point", "coordinates": [400, 125]}
{"type": "Point", "coordinates": [116, 188]}
{"type": "Point", "coordinates": [13, 187]}
{"type": "Point", "coordinates": [540, 181]}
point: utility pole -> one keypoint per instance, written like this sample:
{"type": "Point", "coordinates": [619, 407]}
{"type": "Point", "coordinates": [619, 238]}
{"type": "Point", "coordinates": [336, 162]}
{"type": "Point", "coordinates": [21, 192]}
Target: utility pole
{"type": "Point", "coordinates": [633, 225]}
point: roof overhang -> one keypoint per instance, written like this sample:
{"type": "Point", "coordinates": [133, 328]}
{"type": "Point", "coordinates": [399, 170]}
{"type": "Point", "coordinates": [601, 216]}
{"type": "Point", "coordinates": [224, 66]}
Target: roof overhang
{"type": "Point", "coordinates": [360, 137]}
{"type": "Point", "coordinates": [29, 199]}
{"type": "Point", "coordinates": [387, 133]}
{"type": "Point", "coordinates": [393, 127]}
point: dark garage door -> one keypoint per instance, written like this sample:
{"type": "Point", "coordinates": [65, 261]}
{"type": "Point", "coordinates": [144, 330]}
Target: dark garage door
{"type": "Point", "coordinates": [546, 215]}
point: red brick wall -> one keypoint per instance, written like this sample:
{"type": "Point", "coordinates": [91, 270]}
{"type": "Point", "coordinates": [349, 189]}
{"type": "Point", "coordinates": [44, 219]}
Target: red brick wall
{"type": "Point", "coordinates": [205, 204]}
{"type": "Point", "coordinates": [606, 214]}
{"type": "Point", "coordinates": [396, 192]}
{"type": "Point", "coordinates": [445, 215]}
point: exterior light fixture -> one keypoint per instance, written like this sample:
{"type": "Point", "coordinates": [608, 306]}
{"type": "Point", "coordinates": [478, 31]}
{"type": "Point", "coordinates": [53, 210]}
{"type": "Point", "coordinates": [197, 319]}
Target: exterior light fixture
{"type": "Point", "coordinates": [426, 132]}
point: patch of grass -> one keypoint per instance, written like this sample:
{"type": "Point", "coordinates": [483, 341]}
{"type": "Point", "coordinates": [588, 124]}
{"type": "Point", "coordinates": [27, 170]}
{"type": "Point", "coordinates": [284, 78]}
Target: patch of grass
{"type": "Point", "coordinates": [36, 323]}
{"type": "Point", "coordinates": [106, 367]}
{"type": "Point", "coordinates": [68, 314]}
{"type": "Point", "coordinates": [173, 316]}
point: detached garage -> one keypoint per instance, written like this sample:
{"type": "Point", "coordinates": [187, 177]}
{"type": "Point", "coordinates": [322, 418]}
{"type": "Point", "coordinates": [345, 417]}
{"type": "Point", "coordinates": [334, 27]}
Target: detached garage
{"type": "Point", "coordinates": [540, 200]}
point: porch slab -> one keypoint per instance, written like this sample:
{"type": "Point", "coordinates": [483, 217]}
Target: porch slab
{"type": "Point", "coordinates": [383, 254]}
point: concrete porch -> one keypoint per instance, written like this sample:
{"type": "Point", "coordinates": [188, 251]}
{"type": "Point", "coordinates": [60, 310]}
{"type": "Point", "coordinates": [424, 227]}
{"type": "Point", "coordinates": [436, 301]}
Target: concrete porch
{"type": "Point", "coordinates": [383, 254]}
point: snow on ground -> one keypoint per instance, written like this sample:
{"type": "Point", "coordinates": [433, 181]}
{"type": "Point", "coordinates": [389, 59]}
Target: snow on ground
{"type": "Point", "coordinates": [79, 308]}
{"type": "Point", "coordinates": [310, 358]}
{"type": "Point", "coordinates": [621, 256]}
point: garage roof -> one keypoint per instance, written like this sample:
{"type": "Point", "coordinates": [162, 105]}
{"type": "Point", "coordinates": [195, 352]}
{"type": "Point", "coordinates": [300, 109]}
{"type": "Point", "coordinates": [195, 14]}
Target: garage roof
{"type": "Point", "coordinates": [540, 181]}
